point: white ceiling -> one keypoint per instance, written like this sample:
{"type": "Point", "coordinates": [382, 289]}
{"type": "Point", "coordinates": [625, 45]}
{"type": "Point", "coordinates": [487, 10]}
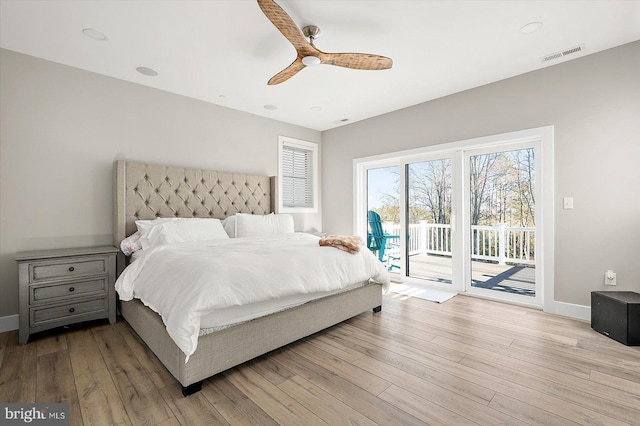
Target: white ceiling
{"type": "Point", "coordinates": [224, 52]}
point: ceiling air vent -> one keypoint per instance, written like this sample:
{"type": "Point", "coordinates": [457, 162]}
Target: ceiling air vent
{"type": "Point", "coordinates": [563, 53]}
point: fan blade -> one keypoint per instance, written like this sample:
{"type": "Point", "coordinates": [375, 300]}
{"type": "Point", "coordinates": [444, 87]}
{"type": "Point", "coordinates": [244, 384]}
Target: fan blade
{"type": "Point", "coordinates": [284, 24]}
{"type": "Point", "coordinates": [287, 73]}
{"type": "Point", "coordinates": [358, 61]}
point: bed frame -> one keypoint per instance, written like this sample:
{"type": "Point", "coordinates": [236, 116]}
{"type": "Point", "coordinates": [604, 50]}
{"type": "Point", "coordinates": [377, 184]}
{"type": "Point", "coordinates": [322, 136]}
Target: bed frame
{"type": "Point", "coordinates": [147, 191]}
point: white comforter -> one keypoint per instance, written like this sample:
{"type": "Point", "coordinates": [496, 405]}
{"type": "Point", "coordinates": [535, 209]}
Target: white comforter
{"type": "Point", "coordinates": [183, 282]}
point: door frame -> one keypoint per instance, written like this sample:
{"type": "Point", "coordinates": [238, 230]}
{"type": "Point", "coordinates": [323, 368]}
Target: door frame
{"type": "Point", "coordinates": [534, 143]}
{"type": "Point", "coordinates": [544, 204]}
{"type": "Point", "coordinates": [456, 261]}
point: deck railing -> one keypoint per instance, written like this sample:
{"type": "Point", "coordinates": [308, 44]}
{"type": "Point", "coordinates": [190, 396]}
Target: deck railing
{"type": "Point", "coordinates": [496, 243]}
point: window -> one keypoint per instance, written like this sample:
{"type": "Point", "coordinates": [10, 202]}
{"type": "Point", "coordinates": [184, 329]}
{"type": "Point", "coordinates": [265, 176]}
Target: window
{"type": "Point", "coordinates": [297, 176]}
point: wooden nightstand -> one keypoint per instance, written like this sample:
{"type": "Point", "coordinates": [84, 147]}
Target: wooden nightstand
{"type": "Point", "coordinates": [65, 286]}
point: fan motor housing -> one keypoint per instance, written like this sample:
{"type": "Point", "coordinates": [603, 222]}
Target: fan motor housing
{"type": "Point", "coordinates": [311, 31]}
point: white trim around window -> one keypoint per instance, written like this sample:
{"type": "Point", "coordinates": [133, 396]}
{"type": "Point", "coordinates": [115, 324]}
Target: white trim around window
{"type": "Point", "coordinates": [297, 190]}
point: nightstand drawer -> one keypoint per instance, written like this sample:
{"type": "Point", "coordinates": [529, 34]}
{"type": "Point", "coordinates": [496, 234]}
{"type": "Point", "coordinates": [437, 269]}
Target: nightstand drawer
{"type": "Point", "coordinates": [68, 268]}
{"type": "Point", "coordinates": [68, 289]}
{"type": "Point", "coordinates": [68, 311]}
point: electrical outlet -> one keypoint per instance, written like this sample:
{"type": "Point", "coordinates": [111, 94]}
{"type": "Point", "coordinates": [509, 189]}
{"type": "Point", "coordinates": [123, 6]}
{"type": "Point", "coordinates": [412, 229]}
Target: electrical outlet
{"type": "Point", "coordinates": [567, 203]}
{"type": "Point", "coordinates": [610, 278]}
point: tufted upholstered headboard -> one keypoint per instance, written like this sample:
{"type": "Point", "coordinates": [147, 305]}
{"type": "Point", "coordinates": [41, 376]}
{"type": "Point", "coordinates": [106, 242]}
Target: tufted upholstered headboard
{"type": "Point", "coordinates": [148, 191]}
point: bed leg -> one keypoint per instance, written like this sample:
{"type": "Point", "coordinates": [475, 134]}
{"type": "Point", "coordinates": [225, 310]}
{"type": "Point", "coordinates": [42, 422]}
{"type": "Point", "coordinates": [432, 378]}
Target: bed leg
{"type": "Point", "coordinates": [377, 309]}
{"type": "Point", "coordinates": [191, 389]}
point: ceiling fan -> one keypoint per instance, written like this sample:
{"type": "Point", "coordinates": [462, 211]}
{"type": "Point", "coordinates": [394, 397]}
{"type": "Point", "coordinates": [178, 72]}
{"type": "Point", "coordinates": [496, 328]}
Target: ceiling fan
{"type": "Point", "coordinates": [308, 54]}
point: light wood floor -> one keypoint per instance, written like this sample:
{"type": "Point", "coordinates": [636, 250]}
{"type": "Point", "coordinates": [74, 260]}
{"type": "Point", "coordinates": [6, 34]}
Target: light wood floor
{"type": "Point", "coordinates": [467, 361]}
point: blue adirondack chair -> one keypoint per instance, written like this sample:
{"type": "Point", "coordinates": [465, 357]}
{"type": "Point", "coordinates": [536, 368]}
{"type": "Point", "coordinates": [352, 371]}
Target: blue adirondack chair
{"type": "Point", "coordinates": [381, 242]}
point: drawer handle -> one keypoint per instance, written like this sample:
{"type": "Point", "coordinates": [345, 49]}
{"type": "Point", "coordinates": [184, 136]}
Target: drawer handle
{"type": "Point", "coordinates": [72, 289]}
{"type": "Point", "coordinates": [71, 269]}
{"type": "Point", "coordinates": [72, 310]}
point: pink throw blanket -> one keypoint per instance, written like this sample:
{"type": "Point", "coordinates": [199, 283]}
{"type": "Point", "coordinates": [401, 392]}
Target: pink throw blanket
{"type": "Point", "coordinates": [349, 243]}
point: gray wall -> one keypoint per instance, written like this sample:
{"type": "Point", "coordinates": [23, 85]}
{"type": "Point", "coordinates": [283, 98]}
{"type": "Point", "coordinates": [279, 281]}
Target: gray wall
{"type": "Point", "coordinates": [61, 130]}
{"type": "Point", "coordinates": [594, 103]}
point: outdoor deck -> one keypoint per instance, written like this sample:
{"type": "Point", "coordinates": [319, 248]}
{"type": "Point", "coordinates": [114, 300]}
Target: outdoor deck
{"type": "Point", "coordinates": [507, 278]}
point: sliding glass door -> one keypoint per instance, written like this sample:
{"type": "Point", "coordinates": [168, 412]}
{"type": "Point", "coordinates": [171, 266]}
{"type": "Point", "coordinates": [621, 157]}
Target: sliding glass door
{"type": "Point", "coordinates": [428, 212]}
{"type": "Point", "coordinates": [501, 221]}
{"type": "Point", "coordinates": [467, 217]}
{"type": "Point", "coordinates": [408, 217]}
{"type": "Point", "coordinates": [383, 215]}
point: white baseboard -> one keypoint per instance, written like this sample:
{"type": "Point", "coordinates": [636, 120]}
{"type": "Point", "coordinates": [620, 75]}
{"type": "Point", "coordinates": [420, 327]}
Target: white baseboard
{"type": "Point", "coordinates": [570, 310]}
{"type": "Point", "coordinates": [9, 323]}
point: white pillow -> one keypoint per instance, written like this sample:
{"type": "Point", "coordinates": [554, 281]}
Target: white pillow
{"type": "Point", "coordinates": [254, 225]}
{"type": "Point", "coordinates": [145, 226]}
{"type": "Point", "coordinates": [171, 232]}
{"type": "Point", "coordinates": [229, 225]}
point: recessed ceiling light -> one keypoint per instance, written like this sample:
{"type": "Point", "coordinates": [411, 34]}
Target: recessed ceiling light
{"type": "Point", "coordinates": [270, 107]}
{"type": "Point", "coordinates": [531, 27]}
{"type": "Point", "coordinates": [316, 108]}
{"type": "Point", "coordinates": [147, 71]}
{"type": "Point", "coordinates": [94, 34]}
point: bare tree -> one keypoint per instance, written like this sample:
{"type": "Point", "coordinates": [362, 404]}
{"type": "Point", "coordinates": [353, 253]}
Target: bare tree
{"type": "Point", "coordinates": [480, 169]}
{"type": "Point", "coordinates": [430, 191]}
{"type": "Point", "coordinates": [390, 210]}
{"type": "Point", "coordinates": [526, 183]}
{"type": "Point", "coordinates": [501, 190]}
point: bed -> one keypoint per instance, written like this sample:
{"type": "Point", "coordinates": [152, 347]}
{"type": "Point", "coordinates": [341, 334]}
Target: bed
{"type": "Point", "coordinates": [148, 191]}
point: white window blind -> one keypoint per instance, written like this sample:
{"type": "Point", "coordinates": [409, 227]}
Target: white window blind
{"type": "Point", "coordinates": [297, 177]}
{"type": "Point", "coordinates": [297, 181]}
